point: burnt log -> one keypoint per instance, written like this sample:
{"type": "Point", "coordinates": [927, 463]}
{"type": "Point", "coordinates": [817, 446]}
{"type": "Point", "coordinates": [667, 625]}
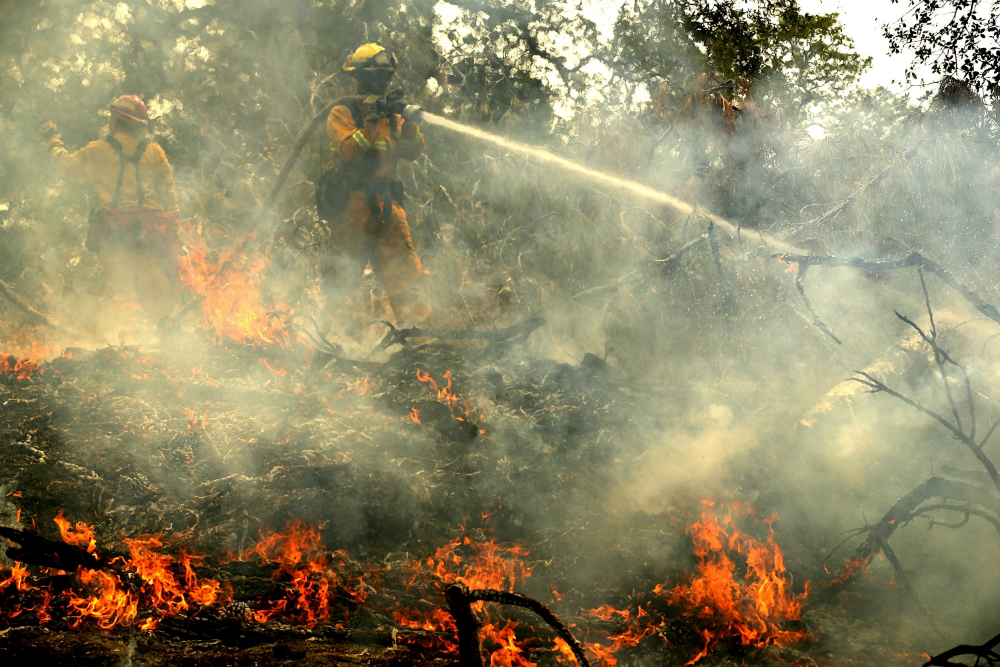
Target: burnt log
{"type": "Point", "coordinates": [43, 552]}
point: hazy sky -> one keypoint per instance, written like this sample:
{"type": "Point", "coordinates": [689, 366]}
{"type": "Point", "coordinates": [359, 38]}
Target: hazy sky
{"type": "Point", "coordinates": [863, 21]}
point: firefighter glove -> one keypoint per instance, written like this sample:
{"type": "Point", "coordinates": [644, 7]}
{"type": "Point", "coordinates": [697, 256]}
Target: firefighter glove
{"type": "Point", "coordinates": [48, 134]}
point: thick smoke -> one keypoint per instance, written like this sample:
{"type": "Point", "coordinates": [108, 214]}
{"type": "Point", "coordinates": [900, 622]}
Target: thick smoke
{"type": "Point", "coordinates": [653, 384]}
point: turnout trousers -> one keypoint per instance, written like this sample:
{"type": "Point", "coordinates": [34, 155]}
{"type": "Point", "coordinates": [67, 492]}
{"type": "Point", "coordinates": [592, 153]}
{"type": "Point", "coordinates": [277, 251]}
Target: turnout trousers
{"type": "Point", "coordinates": [358, 236]}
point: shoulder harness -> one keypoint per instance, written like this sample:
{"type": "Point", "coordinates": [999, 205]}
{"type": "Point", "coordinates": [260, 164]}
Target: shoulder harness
{"type": "Point", "coordinates": [133, 159]}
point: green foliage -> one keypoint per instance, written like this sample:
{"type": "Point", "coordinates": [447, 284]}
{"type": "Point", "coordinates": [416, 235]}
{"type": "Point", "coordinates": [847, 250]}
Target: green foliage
{"type": "Point", "coordinates": [791, 58]}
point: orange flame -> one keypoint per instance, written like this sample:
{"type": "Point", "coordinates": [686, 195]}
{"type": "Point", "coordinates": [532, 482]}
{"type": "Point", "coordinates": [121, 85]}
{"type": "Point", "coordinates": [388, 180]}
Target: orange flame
{"type": "Point", "coordinates": [229, 285]}
{"type": "Point", "coordinates": [851, 569]}
{"type": "Point", "coordinates": [298, 551]}
{"type": "Point", "coordinates": [22, 368]}
{"type": "Point", "coordinates": [750, 609]}
{"type": "Point", "coordinates": [477, 564]}
{"type": "Point", "coordinates": [446, 395]}
{"type": "Point", "coordinates": [82, 535]}
{"type": "Point", "coordinates": [157, 584]}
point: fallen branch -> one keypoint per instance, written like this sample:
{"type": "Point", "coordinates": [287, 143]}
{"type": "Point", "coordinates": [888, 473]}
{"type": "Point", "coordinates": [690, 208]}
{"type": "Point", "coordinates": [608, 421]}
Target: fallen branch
{"type": "Point", "coordinates": [460, 601]}
{"type": "Point", "coordinates": [913, 260]}
{"type": "Point", "coordinates": [43, 552]}
{"type": "Point", "coordinates": [907, 508]}
{"type": "Point", "coordinates": [983, 652]}
{"type": "Point", "coordinates": [400, 336]}
{"type": "Point", "coordinates": [36, 316]}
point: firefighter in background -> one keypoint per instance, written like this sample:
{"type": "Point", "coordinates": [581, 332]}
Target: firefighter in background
{"type": "Point", "coordinates": [361, 199]}
{"type": "Point", "coordinates": [133, 230]}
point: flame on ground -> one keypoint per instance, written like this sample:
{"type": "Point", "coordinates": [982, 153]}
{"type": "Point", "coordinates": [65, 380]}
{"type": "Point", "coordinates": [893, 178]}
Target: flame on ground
{"type": "Point", "coordinates": [477, 564]}
{"type": "Point", "coordinates": [298, 552]}
{"type": "Point", "coordinates": [151, 584]}
{"type": "Point", "coordinates": [444, 395]}
{"type": "Point", "coordinates": [740, 594]}
{"type": "Point", "coordinates": [749, 607]}
{"type": "Point", "coordinates": [146, 583]}
{"type": "Point", "coordinates": [229, 286]}
{"type": "Point", "coordinates": [23, 367]}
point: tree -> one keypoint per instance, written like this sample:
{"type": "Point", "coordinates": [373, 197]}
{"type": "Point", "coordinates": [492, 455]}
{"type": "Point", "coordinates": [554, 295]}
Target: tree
{"type": "Point", "coordinates": [789, 57]}
{"type": "Point", "coordinates": [960, 38]}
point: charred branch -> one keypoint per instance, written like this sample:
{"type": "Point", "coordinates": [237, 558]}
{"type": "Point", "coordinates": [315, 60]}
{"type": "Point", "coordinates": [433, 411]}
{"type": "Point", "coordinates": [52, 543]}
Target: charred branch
{"type": "Point", "coordinates": [877, 386]}
{"type": "Point", "coordinates": [910, 506]}
{"type": "Point", "coordinates": [460, 601]}
{"type": "Point", "coordinates": [43, 552]}
{"type": "Point", "coordinates": [967, 510]}
{"type": "Point", "coordinates": [401, 336]}
{"type": "Point", "coordinates": [984, 653]}
{"type": "Point", "coordinates": [890, 555]}
{"type": "Point", "coordinates": [800, 275]}
{"type": "Point", "coordinates": [914, 260]}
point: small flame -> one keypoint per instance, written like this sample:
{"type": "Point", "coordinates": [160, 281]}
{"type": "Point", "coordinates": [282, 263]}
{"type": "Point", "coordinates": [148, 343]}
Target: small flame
{"type": "Point", "coordinates": [851, 569]}
{"type": "Point", "coordinates": [444, 394]}
{"type": "Point", "coordinates": [24, 367]}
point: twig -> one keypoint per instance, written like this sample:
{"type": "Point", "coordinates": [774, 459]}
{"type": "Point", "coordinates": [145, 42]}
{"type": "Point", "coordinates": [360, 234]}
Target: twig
{"type": "Point", "coordinates": [668, 263]}
{"type": "Point", "coordinates": [940, 356]}
{"type": "Point", "coordinates": [800, 274]}
{"type": "Point", "coordinates": [713, 244]}
{"type": "Point", "coordinates": [961, 509]}
{"type": "Point", "coordinates": [877, 386]}
{"type": "Point", "coordinates": [901, 574]}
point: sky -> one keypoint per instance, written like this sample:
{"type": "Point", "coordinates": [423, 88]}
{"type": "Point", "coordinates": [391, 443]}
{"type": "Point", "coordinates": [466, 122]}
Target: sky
{"type": "Point", "coordinates": [863, 21]}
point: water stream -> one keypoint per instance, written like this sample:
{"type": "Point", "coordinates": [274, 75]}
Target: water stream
{"type": "Point", "coordinates": [547, 157]}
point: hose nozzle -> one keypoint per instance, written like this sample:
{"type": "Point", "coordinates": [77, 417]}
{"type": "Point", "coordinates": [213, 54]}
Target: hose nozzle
{"type": "Point", "coordinates": [413, 113]}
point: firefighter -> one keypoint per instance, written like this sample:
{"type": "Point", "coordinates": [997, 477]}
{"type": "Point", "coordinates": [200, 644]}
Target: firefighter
{"type": "Point", "coordinates": [133, 229]}
{"type": "Point", "coordinates": [362, 200]}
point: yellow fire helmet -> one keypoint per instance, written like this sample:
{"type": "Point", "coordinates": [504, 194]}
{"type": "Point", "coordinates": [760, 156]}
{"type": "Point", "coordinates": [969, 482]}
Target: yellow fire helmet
{"type": "Point", "coordinates": [370, 57]}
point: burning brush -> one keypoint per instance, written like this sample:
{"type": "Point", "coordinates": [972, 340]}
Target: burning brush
{"type": "Point", "coordinates": [228, 284]}
{"type": "Point", "coordinates": [82, 584]}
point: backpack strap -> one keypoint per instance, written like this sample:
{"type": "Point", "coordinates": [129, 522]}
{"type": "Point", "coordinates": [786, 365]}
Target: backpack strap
{"type": "Point", "coordinates": [351, 102]}
{"type": "Point", "coordinates": [133, 159]}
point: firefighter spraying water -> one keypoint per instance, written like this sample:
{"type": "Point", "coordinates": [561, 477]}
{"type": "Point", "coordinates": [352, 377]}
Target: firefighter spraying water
{"type": "Point", "coordinates": [363, 202]}
{"type": "Point", "coordinates": [360, 197]}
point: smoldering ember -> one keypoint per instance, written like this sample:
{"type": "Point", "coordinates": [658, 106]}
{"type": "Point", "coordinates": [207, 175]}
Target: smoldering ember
{"type": "Point", "coordinates": [497, 333]}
